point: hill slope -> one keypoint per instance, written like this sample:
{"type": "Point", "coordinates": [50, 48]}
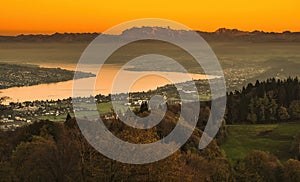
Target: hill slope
{"type": "Point", "coordinates": [275, 138]}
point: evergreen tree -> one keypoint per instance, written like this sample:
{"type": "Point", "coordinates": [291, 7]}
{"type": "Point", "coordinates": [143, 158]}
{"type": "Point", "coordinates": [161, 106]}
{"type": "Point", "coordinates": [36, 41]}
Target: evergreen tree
{"type": "Point", "coordinates": [68, 117]}
{"type": "Point", "coordinates": [144, 107]}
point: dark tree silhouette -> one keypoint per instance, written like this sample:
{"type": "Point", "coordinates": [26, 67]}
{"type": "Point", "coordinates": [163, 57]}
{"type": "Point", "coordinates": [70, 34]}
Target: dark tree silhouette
{"type": "Point", "coordinates": [68, 117]}
{"type": "Point", "coordinates": [144, 107]}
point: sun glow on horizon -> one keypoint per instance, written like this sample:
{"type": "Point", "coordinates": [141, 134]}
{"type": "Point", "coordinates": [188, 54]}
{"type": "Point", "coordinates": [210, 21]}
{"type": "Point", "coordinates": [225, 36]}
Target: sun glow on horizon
{"type": "Point", "coordinates": [46, 17]}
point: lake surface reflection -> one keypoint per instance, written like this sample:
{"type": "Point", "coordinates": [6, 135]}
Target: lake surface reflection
{"type": "Point", "coordinates": [104, 81]}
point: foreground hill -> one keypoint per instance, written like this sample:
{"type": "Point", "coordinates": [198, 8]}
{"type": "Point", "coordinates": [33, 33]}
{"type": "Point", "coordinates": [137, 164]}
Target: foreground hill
{"type": "Point", "coordinates": [49, 151]}
{"type": "Point", "coordinates": [52, 151]}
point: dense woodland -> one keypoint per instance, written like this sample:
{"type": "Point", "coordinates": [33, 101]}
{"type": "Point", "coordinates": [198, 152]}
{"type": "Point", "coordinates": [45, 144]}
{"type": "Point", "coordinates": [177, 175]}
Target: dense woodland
{"type": "Point", "coordinates": [53, 151]}
{"type": "Point", "coordinates": [49, 151]}
{"type": "Point", "coordinates": [265, 102]}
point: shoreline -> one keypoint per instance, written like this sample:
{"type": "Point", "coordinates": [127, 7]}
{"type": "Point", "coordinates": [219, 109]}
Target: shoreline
{"type": "Point", "coordinates": [64, 89]}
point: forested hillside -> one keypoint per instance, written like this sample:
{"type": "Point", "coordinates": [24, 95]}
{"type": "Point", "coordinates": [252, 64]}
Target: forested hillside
{"type": "Point", "coordinates": [52, 151]}
{"type": "Point", "coordinates": [265, 102]}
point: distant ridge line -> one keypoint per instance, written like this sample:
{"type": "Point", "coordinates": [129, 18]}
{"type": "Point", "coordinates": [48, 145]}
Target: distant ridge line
{"type": "Point", "coordinates": [222, 34]}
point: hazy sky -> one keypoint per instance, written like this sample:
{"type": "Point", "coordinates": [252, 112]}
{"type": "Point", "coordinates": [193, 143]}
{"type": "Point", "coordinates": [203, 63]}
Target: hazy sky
{"type": "Point", "coordinates": [49, 16]}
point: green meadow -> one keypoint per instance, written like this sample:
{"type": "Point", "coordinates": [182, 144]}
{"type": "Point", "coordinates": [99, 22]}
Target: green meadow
{"type": "Point", "coordinates": [274, 138]}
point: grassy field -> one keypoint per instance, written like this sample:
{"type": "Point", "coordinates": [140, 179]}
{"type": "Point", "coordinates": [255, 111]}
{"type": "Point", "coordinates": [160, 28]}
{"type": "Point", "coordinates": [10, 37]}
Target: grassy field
{"type": "Point", "coordinates": [60, 118]}
{"type": "Point", "coordinates": [275, 138]}
{"type": "Point", "coordinates": [103, 108]}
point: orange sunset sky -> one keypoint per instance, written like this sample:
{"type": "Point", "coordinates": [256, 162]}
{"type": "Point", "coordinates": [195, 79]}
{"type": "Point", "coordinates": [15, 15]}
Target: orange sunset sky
{"type": "Point", "coordinates": [49, 16]}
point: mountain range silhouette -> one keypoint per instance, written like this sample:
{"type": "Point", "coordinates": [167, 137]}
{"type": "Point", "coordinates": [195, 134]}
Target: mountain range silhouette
{"type": "Point", "coordinates": [222, 34]}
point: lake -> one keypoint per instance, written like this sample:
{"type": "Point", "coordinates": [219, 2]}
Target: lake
{"type": "Point", "coordinates": [104, 82]}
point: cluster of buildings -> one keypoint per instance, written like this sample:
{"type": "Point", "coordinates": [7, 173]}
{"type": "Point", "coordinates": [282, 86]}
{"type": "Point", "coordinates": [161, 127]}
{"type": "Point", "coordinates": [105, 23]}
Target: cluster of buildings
{"type": "Point", "coordinates": [18, 114]}
{"type": "Point", "coordinates": [237, 77]}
